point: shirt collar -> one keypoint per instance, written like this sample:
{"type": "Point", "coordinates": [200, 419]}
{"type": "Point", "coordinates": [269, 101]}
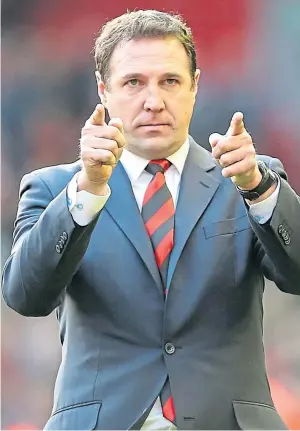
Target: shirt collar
{"type": "Point", "coordinates": [134, 165]}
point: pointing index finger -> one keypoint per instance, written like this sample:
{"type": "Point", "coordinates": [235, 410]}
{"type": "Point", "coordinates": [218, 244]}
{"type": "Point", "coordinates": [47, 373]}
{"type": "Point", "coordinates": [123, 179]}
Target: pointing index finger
{"type": "Point", "coordinates": [237, 126]}
{"type": "Point", "coordinates": [98, 116]}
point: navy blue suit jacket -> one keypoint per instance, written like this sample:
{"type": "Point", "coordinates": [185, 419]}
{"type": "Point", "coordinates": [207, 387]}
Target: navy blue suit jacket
{"type": "Point", "coordinates": [103, 282]}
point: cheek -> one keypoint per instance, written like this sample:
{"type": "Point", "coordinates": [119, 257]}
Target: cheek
{"type": "Point", "coordinates": [189, 108]}
{"type": "Point", "coordinates": [121, 108]}
{"type": "Point", "coordinates": [183, 110]}
{"type": "Point", "coordinates": [128, 111]}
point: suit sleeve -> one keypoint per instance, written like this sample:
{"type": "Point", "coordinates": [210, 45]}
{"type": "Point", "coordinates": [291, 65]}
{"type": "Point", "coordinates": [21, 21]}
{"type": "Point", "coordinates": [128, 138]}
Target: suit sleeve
{"type": "Point", "coordinates": [278, 244]}
{"type": "Point", "coordinates": [48, 247]}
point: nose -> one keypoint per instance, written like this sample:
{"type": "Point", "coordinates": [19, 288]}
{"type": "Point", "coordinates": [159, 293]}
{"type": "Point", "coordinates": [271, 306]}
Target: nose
{"type": "Point", "coordinates": [154, 102]}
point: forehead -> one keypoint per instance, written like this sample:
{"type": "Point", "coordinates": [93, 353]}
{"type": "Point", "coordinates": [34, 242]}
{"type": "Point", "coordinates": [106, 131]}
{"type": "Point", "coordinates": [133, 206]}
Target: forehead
{"type": "Point", "coordinates": [149, 56]}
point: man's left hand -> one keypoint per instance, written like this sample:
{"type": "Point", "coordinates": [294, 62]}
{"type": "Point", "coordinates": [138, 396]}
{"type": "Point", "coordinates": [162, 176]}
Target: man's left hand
{"type": "Point", "coordinates": [235, 153]}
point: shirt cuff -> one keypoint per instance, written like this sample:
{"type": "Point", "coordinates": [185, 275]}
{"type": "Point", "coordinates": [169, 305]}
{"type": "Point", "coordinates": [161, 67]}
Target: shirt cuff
{"type": "Point", "coordinates": [84, 206]}
{"type": "Point", "coordinates": [262, 211]}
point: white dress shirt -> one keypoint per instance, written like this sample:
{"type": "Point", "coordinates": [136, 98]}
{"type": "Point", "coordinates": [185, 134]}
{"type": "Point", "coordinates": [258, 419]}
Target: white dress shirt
{"type": "Point", "coordinates": [85, 206]}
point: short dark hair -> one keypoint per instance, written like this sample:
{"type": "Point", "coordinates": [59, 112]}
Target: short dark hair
{"type": "Point", "coordinates": [137, 25]}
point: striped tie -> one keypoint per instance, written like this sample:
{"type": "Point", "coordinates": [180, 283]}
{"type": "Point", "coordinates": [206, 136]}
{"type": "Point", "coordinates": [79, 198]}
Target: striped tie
{"type": "Point", "coordinates": [158, 214]}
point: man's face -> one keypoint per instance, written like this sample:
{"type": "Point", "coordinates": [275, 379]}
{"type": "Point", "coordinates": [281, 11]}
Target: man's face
{"type": "Point", "coordinates": [151, 90]}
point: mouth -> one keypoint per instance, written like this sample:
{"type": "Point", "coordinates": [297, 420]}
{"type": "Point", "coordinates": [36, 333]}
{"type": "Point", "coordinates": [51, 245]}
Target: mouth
{"type": "Point", "coordinates": [155, 125]}
{"type": "Point", "coordinates": [152, 130]}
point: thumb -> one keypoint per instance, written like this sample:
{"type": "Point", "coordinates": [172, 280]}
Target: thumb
{"type": "Point", "coordinates": [214, 139]}
{"type": "Point", "coordinates": [98, 116]}
{"type": "Point", "coordinates": [237, 125]}
{"type": "Point", "coordinates": [117, 122]}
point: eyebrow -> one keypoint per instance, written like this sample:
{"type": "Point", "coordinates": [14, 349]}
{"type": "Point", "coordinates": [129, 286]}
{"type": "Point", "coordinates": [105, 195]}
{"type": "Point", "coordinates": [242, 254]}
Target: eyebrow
{"type": "Point", "coordinates": [140, 75]}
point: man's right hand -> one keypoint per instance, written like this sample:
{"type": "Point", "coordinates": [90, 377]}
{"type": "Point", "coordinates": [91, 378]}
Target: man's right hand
{"type": "Point", "coordinates": [101, 146]}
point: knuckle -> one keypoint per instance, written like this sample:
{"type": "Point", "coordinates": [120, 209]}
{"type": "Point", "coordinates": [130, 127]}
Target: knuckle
{"type": "Point", "coordinates": [215, 153]}
{"type": "Point", "coordinates": [111, 146]}
{"type": "Point", "coordinates": [108, 157]}
{"type": "Point", "coordinates": [226, 172]}
{"type": "Point", "coordinates": [218, 151]}
{"type": "Point", "coordinates": [118, 137]}
{"type": "Point", "coordinates": [121, 142]}
{"type": "Point", "coordinates": [83, 141]}
{"type": "Point", "coordinates": [224, 160]}
{"type": "Point", "coordinates": [86, 151]}
{"type": "Point", "coordinates": [252, 151]}
{"type": "Point", "coordinates": [244, 151]}
{"type": "Point", "coordinates": [88, 141]}
{"type": "Point", "coordinates": [112, 131]}
{"type": "Point", "coordinates": [222, 145]}
{"type": "Point", "coordinates": [86, 129]}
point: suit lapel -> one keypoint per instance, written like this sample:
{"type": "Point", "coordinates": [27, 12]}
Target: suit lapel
{"type": "Point", "coordinates": [123, 208]}
{"type": "Point", "coordinates": [197, 188]}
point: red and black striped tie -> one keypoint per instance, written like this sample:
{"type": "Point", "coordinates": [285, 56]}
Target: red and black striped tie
{"type": "Point", "coordinates": [158, 213]}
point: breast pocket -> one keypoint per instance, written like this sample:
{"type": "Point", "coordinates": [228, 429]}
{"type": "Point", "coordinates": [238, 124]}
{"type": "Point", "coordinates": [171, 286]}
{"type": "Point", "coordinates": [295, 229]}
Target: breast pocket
{"type": "Point", "coordinates": [257, 416]}
{"type": "Point", "coordinates": [227, 247]}
{"type": "Point", "coordinates": [81, 416]}
{"type": "Point", "coordinates": [227, 227]}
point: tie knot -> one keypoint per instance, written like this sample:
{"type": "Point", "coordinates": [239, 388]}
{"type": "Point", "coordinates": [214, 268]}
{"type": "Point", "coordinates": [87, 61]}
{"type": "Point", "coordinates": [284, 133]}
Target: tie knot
{"type": "Point", "coordinates": [155, 166]}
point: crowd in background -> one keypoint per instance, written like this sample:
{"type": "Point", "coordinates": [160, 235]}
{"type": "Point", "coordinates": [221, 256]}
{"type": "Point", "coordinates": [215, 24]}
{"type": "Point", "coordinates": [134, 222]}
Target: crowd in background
{"type": "Point", "coordinates": [249, 55]}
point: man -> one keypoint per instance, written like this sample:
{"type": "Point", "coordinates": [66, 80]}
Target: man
{"type": "Point", "coordinates": [154, 257]}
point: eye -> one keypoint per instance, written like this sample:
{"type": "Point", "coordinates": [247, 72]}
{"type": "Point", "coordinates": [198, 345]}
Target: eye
{"type": "Point", "coordinates": [171, 81]}
{"type": "Point", "coordinates": [132, 82]}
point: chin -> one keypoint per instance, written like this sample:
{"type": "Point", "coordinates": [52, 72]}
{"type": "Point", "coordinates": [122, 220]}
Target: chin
{"type": "Point", "coordinates": [157, 148]}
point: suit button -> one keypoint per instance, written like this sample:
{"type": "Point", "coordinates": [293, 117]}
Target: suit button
{"type": "Point", "coordinates": [170, 348]}
{"type": "Point", "coordinates": [58, 248]}
{"type": "Point", "coordinates": [61, 243]}
{"type": "Point", "coordinates": [64, 236]}
{"type": "Point", "coordinates": [287, 241]}
{"type": "Point", "coordinates": [280, 227]}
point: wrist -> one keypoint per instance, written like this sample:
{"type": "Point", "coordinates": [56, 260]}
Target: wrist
{"type": "Point", "coordinates": [83, 183]}
{"type": "Point", "coordinates": [265, 186]}
{"type": "Point", "coordinates": [252, 183]}
{"type": "Point", "coordinates": [264, 196]}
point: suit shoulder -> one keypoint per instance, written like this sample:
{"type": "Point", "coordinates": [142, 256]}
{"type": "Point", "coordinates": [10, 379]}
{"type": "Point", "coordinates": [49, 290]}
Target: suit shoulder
{"type": "Point", "coordinates": [56, 177]}
{"type": "Point", "coordinates": [264, 158]}
{"type": "Point", "coordinates": [269, 160]}
{"type": "Point", "coordinates": [274, 164]}
{"type": "Point", "coordinates": [63, 169]}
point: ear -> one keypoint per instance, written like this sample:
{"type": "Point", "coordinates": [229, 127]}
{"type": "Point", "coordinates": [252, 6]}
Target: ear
{"type": "Point", "coordinates": [101, 89]}
{"type": "Point", "coordinates": [196, 80]}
